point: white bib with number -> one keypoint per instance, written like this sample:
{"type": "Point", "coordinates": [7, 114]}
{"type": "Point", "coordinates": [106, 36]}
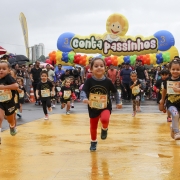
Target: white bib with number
{"type": "Point", "coordinates": [67, 94]}
{"type": "Point", "coordinates": [45, 93]}
{"type": "Point", "coordinates": [5, 95]}
{"type": "Point", "coordinates": [98, 101]}
{"type": "Point", "coordinates": [21, 95]}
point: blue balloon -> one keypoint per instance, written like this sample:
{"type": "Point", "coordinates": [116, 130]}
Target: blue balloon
{"type": "Point", "coordinates": [63, 42]}
{"type": "Point", "coordinates": [165, 40]}
{"type": "Point", "coordinates": [65, 57]}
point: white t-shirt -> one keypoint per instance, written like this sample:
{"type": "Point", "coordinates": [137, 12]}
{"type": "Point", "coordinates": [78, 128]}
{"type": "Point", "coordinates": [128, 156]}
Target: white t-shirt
{"type": "Point", "coordinates": [51, 75]}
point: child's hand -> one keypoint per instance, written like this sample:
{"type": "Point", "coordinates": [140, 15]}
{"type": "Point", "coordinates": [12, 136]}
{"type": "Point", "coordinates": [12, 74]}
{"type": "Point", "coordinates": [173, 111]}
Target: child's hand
{"type": "Point", "coordinates": [52, 93]}
{"type": "Point", "coordinates": [157, 90]}
{"type": "Point", "coordinates": [86, 101]}
{"type": "Point", "coordinates": [118, 106]}
{"type": "Point", "coordinates": [176, 89]}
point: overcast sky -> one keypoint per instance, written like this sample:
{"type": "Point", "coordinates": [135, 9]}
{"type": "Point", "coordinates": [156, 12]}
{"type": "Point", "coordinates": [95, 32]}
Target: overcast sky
{"type": "Point", "coordinates": [48, 19]}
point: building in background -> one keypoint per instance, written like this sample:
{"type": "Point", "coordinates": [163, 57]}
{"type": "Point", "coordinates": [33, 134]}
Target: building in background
{"type": "Point", "coordinates": [36, 51]}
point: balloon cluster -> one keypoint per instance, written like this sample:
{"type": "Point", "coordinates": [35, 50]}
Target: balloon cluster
{"type": "Point", "coordinates": [52, 58]}
{"type": "Point", "coordinates": [70, 58]}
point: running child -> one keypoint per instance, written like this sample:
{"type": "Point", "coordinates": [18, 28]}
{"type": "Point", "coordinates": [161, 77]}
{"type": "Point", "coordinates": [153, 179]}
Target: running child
{"type": "Point", "coordinates": [96, 93]}
{"type": "Point", "coordinates": [172, 89]}
{"type": "Point", "coordinates": [158, 89]}
{"type": "Point", "coordinates": [57, 90]}
{"type": "Point", "coordinates": [66, 95]}
{"type": "Point", "coordinates": [44, 91]}
{"type": "Point", "coordinates": [135, 85]}
{"type": "Point", "coordinates": [76, 89]}
{"type": "Point", "coordinates": [22, 91]}
{"type": "Point", "coordinates": [8, 86]}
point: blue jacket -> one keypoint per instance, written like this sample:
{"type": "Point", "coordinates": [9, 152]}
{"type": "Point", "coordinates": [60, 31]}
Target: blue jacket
{"type": "Point", "coordinates": [125, 73]}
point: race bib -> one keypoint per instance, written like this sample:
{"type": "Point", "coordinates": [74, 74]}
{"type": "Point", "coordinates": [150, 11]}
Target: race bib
{"type": "Point", "coordinates": [5, 95]}
{"type": "Point", "coordinates": [45, 93]}
{"type": "Point", "coordinates": [135, 90]}
{"type": "Point", "coordinates": [21, 95]}
{"type": "Point", "coordinates": [77, 90]}
{"type": "Point", "coordinates": [98, 101]}
{"type": "Point", "coordinates": [67, 94]}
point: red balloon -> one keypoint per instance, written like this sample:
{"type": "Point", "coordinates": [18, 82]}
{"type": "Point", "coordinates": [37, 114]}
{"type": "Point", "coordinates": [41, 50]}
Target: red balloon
{"type": "Point", "coordinates": [109, 62]}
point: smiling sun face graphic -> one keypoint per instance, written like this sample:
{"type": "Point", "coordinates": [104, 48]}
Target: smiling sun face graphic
{"type": "Point", "coordinates": [115, 28]}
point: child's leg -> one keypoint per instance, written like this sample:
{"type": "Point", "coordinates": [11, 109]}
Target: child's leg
{"type": "Point", "coordinates": [68, 106]}
{"type": "Point", "coordinates": [12, 123]}
{"type": "Point", "coordinates": [72, 103]}
{"type": "Point", "coordinates": [175, 120]}
{"type": "Point", "coordinates": [104, 117]}
{"type": "Point", "coordinates": [93, 128]}
{"type": "Point", "coordinates": [48, 104]}
{"type": "Point", "coordinates": [20, 109]}
{"type": "Point", "coordinates": [1, 120]}
{"type": "Point", "coordinates": [44, 107]}
{"type": "Point", "coordinates": [134, 105]}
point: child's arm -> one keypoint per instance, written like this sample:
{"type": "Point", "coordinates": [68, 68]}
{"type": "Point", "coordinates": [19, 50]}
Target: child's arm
{"type": "Point", "coordinates": [133, 85]}
{"type": "Point", "coordinates": [27, 95]}
{"type": "Point", "coordinates": [37, 93]}
{"type": "Point", "coordinates": [53, 91]}
{"type": "Point", "coordinates": [19, 90]}
{"type": "Point", "coordinates": [14, 86]}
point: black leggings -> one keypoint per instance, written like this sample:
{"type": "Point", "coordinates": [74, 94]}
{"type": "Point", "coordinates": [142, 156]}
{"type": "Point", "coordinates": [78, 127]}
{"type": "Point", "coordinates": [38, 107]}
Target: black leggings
{"type": "Point", "coordinates": [46, 103]}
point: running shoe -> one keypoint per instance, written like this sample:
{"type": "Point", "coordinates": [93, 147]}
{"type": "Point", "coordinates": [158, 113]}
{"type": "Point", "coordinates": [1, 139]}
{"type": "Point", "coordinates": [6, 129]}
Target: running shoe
{"type": "Point", "coordinates": [19, 115]}
{"type": "Point", "coordinates": [68, 112]}
{"type": "Point", "coordinates": [46, 117]}
{"type": "Point", "coordinates": [177, 136]}
{"type": "Point", "coordinates": [36, 103]}
{"type": "Point", "coordinates": [13, 131]}
{"type": "Point", "coordinates": [93, 146]}
{"type": "Point", "coordinates": [72, 105]}
{"type": "Point", "coordinates": [134, 114]}
{"type": "Point", "coordinates": [104, 134]}
{"type": "Point", "coordinates": [169, 119]}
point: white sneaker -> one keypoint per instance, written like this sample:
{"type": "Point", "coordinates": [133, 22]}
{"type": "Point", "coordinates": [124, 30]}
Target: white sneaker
{"type": "Point", "coordinates": [46, 117]}
{"type": "Point", "coordinates": [53, 106]}
{"type": "Point", "coordinates": [177, 136]}
{"type": "Point", "coordinates": [68, 113]}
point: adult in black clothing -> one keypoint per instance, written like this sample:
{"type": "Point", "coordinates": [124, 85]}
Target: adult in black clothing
{"type": "Point", "coordinates": [65, 75]}
{"type": "Point", "coordinates": [75, 74]}
{"type": "Point", "coordinates": [142, 74]}
{"type": "Point", "coordinates": [35, 78]}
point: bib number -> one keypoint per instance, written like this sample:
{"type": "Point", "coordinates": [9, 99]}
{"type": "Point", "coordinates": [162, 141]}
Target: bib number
{"type": "Point", "coordinates": [98, 101]}
{"type": "Point", "coordinates": [45, 93]}
{"type": "Point", "coordinates": [5, 95]}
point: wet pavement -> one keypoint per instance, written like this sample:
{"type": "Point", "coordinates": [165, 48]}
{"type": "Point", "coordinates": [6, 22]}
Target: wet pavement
{"type": "Point", "coordinates": [137, 148]}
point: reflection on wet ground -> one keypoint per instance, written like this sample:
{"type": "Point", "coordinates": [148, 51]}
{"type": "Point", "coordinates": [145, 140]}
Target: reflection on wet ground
{"type": "Point", "coordinates": [136, 149]}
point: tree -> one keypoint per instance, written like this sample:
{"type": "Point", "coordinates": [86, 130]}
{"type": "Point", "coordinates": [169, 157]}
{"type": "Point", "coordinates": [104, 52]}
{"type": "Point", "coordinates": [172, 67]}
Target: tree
{"type": "Point", "coordinates": [42, 58]}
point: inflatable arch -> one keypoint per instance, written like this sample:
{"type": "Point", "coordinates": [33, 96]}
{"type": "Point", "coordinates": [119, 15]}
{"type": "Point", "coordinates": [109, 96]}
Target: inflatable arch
{"type": "Point", "coordinates": [115, 45]}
